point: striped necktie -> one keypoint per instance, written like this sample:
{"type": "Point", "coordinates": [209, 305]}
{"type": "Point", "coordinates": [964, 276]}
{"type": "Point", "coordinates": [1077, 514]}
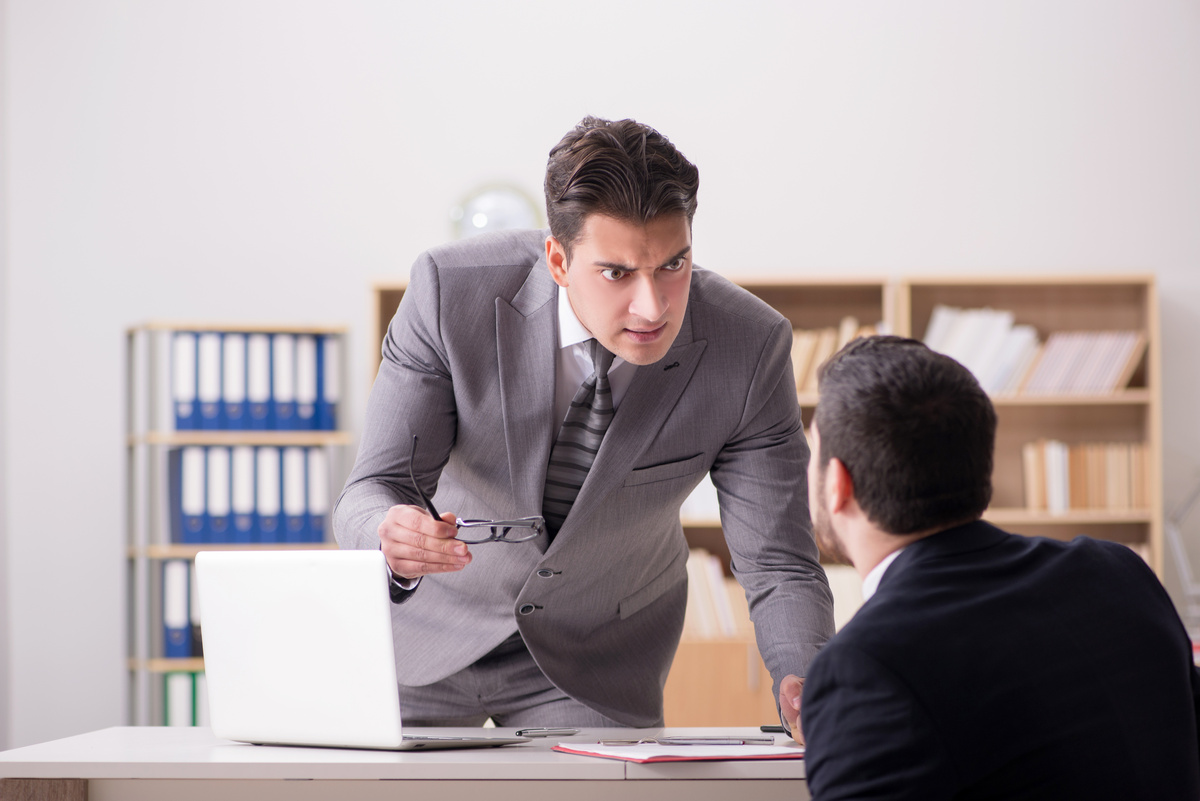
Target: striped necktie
{"type": "Point", "coordinates": [578, 440]}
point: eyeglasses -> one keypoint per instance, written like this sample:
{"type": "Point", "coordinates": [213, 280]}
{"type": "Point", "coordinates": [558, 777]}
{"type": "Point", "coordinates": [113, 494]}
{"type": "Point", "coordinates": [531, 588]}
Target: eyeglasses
{"type": "Point", "coordinates": [476, 532]}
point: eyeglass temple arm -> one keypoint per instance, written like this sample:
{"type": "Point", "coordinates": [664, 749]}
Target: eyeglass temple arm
{"type": "Point", "coordinates": [424, 498]}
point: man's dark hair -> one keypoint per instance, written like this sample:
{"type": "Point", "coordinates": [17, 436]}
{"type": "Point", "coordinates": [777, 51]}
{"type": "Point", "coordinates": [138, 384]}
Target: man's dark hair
{"type": "Point", "coordinates": [913, 428]}
{"type": "Point", "coordinates": [623, 169]}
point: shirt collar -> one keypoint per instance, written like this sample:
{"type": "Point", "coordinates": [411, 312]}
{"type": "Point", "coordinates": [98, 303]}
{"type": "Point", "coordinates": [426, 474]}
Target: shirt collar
{"type": "Point", "coordinates": [570, 330]}
{"type": "Point", "coordinates": [871, 582]}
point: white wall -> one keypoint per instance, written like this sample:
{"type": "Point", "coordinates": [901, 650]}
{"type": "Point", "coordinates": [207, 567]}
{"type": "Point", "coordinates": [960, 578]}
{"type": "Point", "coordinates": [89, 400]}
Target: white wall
{"type": "Point", "coordinates": [266, 160]}
{"type": "Point", "coordinates": [5, 662]}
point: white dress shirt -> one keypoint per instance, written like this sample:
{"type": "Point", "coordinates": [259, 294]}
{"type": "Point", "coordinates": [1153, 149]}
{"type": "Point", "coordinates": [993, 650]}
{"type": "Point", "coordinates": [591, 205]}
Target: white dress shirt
{"type": "Point", "coordinates": [872, 579]}
{"type": "Point", "coordinates": [575, 362]}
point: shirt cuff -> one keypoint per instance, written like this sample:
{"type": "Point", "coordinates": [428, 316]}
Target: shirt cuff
{"type": "Point", "coordinates": [399, 588]}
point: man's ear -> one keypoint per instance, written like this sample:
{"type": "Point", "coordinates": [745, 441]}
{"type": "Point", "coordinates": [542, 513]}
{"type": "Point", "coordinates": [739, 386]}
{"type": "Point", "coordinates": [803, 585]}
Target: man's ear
{"type": "Point", "coordinates": [838, 485]}
{"type": "Point", "coordinates": [556, 258]}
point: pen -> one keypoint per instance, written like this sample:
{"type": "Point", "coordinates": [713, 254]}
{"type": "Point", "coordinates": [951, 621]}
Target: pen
{"type": "Point", "coordinates": [548, 731]}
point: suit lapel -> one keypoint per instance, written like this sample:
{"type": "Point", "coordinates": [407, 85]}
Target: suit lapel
{"type": "Point", "coordinates": [526, 340]}
{"type": "Point", "coordinates": [650, 399]}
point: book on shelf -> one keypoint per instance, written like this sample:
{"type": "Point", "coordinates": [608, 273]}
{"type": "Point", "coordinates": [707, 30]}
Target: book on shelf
{"type": "Point", "coordinates": [1093, 475]}
{"type": "Point", "coordinates": [711, 611]}
{"type": "Point", "coordinates": [238, 381]}
{"type": "Point", "coordinates": [812, 348]}
{"type": "Point", "coordinates": [1007, 358]}
{"type": "Point", "coordinates": [247, 494]}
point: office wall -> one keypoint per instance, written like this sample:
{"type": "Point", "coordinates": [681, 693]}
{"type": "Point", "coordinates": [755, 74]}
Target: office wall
{"type": "Point", "coordinates": [267, 160]}
{"type": "Point", "coordinates": [5, 683]}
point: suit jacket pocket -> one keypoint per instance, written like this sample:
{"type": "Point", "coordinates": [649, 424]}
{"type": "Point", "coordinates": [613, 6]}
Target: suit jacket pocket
{"type": "Point", "coordinates": [663, 472]}
{"type": "Point", "coordinates": [668, 578]}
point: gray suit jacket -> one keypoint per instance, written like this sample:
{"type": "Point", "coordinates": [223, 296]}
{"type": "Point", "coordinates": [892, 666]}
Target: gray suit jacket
{"type": "Point", "coordinates": [468, 366]}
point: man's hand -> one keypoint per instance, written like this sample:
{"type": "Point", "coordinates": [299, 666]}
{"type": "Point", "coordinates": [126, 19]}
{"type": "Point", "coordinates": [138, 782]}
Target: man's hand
{"type": "Point", "coordinates": [415, 544]}
{"type": "Point", "coordinates": [790, 690]}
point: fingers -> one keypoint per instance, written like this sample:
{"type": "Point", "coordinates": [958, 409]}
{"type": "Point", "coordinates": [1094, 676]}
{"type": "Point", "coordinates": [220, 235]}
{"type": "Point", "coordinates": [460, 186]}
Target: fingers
{"type": "Point", "coordinates": [416, 544]}
{"type": "Point", "coordinates": [790, 691]}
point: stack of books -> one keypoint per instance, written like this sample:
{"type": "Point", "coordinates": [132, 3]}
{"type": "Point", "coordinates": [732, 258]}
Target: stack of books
{"type": "Point", "coordinates": [716, 605]}
{"type": "Point", "coordinates": [1107, 475]}
{"type": "Point", "coordinates": [1007, 358]}
{"type": "Point", "coordinates": [811, 349]}
{"type": "Point", "coordinates": [1086, 363]}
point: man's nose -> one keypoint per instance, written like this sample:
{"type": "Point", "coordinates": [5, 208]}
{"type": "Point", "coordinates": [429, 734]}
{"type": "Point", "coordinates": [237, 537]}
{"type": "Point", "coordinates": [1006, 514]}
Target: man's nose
{"type": "Point", "coordinates": [649, 302]}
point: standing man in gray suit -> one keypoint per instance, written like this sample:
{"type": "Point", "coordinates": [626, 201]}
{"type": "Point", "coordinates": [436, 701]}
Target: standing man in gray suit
{"type": "Point", "coordinates": [589, 375]}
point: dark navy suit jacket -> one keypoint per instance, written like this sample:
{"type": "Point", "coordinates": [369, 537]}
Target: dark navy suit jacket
{"type": "Point", "coordinates": [989, 665]}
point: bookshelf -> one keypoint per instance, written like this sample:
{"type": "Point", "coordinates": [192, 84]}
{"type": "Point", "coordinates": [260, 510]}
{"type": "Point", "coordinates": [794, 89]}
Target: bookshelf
{"type": "Point", "coordinates": [904, 306]}
{"type": "Point", "coordinates": [153, 433]}
{"type": "Point", "coordinates": [1130, 415]}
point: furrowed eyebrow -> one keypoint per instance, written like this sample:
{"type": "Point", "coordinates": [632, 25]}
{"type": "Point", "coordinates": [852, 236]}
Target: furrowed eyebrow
{"type": "Point", "coordinates": [608, 265]}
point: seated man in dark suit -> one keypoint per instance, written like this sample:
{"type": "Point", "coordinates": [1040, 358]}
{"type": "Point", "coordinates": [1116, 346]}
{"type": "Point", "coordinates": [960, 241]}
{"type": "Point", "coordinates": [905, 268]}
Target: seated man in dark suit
{"type": "Point", "coordinates": [983, 664]}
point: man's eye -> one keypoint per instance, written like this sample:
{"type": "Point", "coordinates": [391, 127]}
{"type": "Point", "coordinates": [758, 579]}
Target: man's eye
{"type": "Point", "coordinates": [612, 274]}
{"type": "Point", "coordinates": [677, 264]}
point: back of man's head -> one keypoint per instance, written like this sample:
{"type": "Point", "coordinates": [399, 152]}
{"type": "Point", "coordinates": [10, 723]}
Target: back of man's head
{"type": "Point", "coordinates": [914, 430]}
{"type": "Point", "coordinates": [623, 169]}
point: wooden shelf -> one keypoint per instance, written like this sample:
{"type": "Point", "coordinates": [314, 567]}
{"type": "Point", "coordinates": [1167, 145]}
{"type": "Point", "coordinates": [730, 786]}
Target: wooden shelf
{"type": "Point", "coordinates": [190, 665]}
{"type": "Point", "coordinates": [1072, 517]}
{"type": "Point", "coordinates": [1126, 397]}
{"type": "Point", "coordinates": [231, 438]}
{"type": "Point", "coordinates": [239, 328]}
{"type": "Point", "coordinates": [190, 551]}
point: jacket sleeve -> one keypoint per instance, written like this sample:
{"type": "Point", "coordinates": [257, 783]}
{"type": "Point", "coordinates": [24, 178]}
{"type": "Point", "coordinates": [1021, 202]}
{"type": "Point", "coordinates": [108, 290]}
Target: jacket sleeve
{"type": "Point", "coordinates": [760, 476]}
{"type": "Point", "coordinates": [867, 736]}
{"type": "Point", "coordinates": [413, 395]}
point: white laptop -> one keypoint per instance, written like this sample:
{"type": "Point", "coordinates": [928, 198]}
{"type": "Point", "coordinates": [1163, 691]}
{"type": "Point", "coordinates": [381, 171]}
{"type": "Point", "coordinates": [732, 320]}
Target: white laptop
{"type": "Point", "coordinates": [298, 651]}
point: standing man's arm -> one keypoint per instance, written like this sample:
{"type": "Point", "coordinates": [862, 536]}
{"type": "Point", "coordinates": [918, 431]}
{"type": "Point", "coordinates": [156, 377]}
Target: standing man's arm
{"type": "Point", "coordinates": [760, 476]}
{"type": "Point", "coordinates": [413, 395]}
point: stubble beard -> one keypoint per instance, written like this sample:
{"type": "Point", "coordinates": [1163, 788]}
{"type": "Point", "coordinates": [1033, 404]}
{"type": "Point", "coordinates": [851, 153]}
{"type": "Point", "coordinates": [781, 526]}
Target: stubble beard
{"type": "Point", "coordinates": [827, 539]}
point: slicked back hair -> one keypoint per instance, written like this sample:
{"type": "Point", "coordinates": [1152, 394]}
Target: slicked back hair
{"type": "Point", "coordinates": [623, 169]}
{"type": "Point", "coordinates": [914, 429]}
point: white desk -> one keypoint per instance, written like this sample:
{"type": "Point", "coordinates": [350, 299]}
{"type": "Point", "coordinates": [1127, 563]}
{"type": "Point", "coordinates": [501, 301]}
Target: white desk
{"type": "Point", "coordinates": [137, 763]}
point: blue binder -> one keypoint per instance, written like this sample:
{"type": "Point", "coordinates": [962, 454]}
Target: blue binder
{"type": "Point", "coordinates": [306, 382]}
{"type": "Point", "coordinates": [208, 379]}
{"type": "Point", "coordinates": [192, 503]}
{"type": "Point", "coordinates": [194, 609]}
{"type": "Point", "coordinates": [234, 412]}
{"type": "Point", "coordinates": [258, 382]}
{"type": "Point", "coordinates": [268, 496]}
{"type": "Point", "coordinates": [218, 496]}
{"type": "Point", "coordinates": [242, 469]}
{"type": "Point", "coordinates": [183, 381]}
{"type": "Point", "coordinates": [329, 382]}
{"type": "Point", "coordinates": [318, 494]}
{"type": "Point", "coordinates": [177, 623]}
{"type": "Point", "coordinates": [295, 492]}
{"type": "Point", "coordinates": [283, 381]}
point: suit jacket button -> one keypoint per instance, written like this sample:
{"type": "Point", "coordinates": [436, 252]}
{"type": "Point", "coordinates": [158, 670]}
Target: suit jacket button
{"type": "Point", "coordinates": [526, 609]}
{"type": "Point", "coordinates": [544, 573]}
